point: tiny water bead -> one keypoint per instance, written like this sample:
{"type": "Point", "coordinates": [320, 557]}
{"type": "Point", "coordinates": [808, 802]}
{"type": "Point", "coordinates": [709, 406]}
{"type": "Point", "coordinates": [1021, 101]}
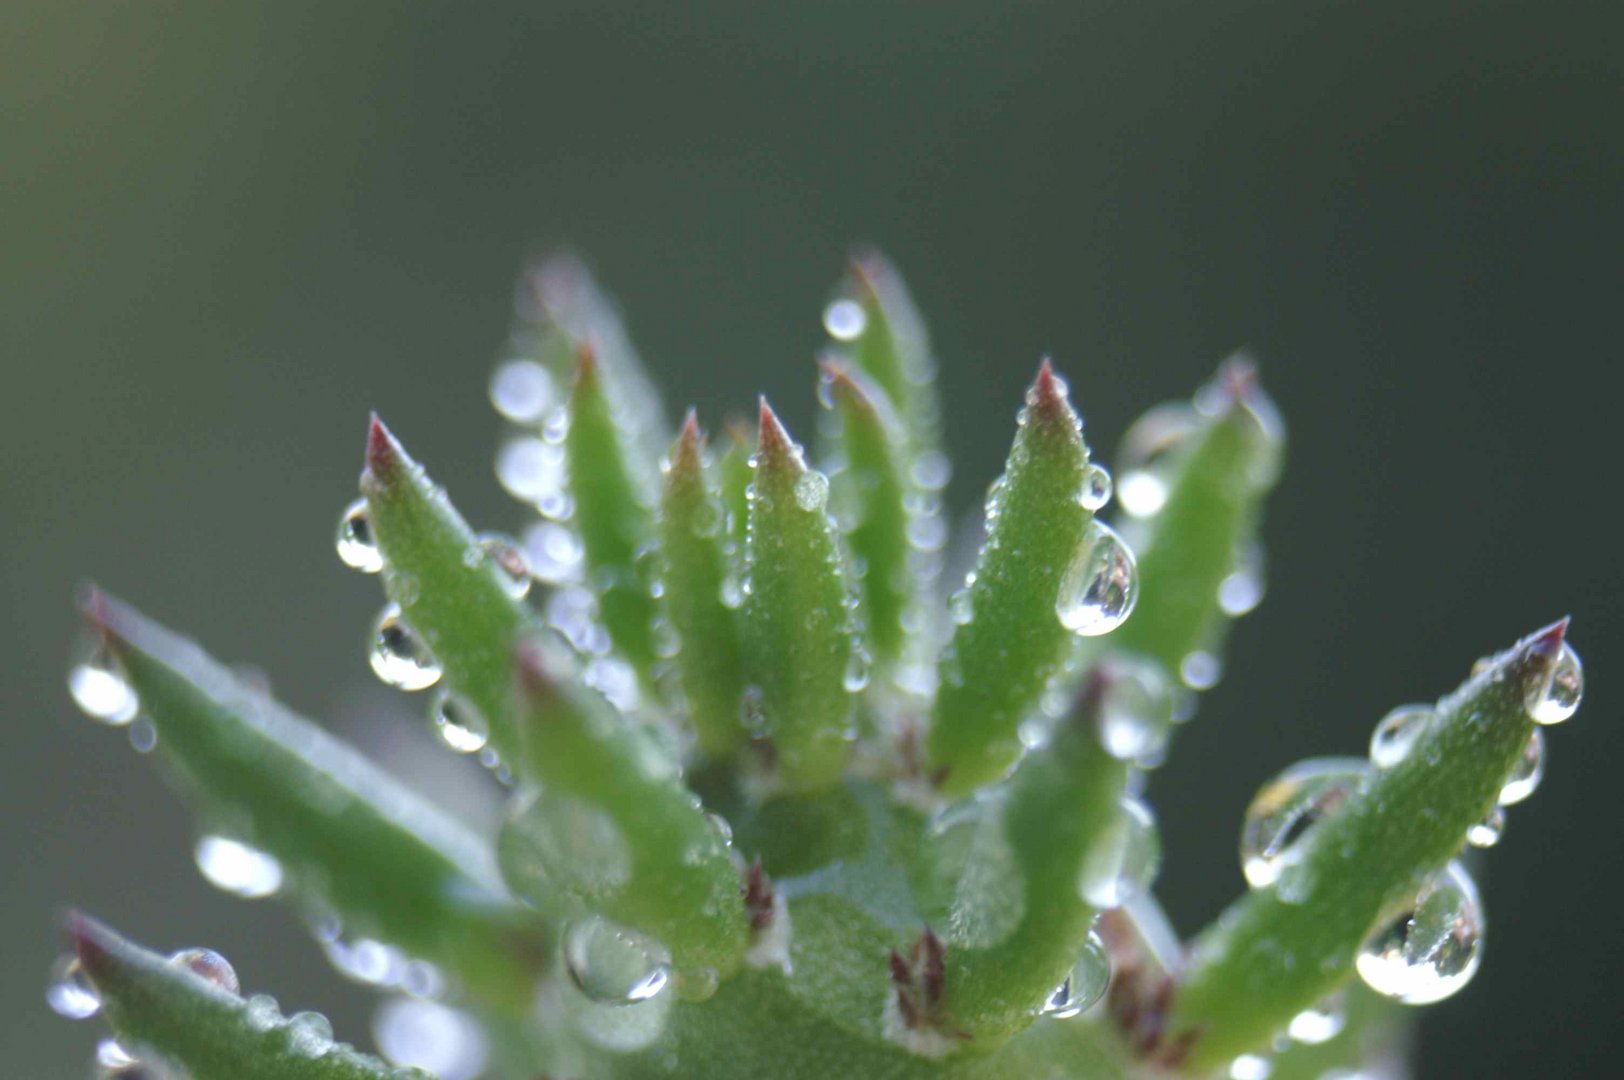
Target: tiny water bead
{"type": "Point", "coordinates": [553, 552]}
{"type": "Point", "coordinates": [1201, 670]}
{"type": "Point", "coordinates": [209, 966]}
{"type": "Point", "coordinates": [1096, 489]}
{"type": "Point", "coordinates": [845, 320]}
{"type": "Point", "coordinates": [1241, 590]}
{"type": "Point", "coordinates": [1555, 696]}
{"type": "Point", "coordinates": [1250, 1067]}
{"type": "Point", "coordinates": [112, 1056]}
{"type": "Point", "coordinates": [1526, 774]}
{"type": "Point", "coordinates": [1397, 732]}
{"type": "Point", "coordinates": [459, 722]}
{"type": "Point", "coordinates": [309, 1034]}
{"type": "Point", "coordinates": [1124, 863]}
{"type": "Point", "coordinates": [1135, 709]}
{"type": "Point", "coordinates": [1100, 587]}
{"type": "Point", "coordinates": [238, 869]}
{"type": "Point", "coordinates": [102, 690]}
{"type": "Point", "coordinates": [1318, 1023]}
{"type": "Point", "coordinates": [811, 491]}
{"type": "Point", "coordinates": [1084, 985]}
{"type": "Point", "coordinates": [357, 546]}
{"type": "Point", "coordinates": [1487, 833]}
{"type": "Point", "coordinates": [611, 965]}
{"type": "Point", "coordinates": [399, 657]}
{"type": "Point", "coordinates": [522, 391]}
{"type": "Point", "coordinates": [70, 993]}
{"type": "Point", "coordinates": [1285, 810]}
{"type": "Point", "coordinates": [1430, 950]}
{"type": "Point", "coordinates": [1147, 450]}
{"type": "Point", "coordinates": [511, 560]}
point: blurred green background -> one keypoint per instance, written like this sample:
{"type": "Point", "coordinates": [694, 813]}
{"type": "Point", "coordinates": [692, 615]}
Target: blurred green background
{"type": "Point", "coordinates": [230, 229]}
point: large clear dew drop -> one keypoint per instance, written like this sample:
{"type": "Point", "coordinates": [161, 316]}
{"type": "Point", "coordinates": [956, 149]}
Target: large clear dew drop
{"type": "Point", "coordinates": [70, 993]}
{"type": "Point", "coordinates": [1096, 488]}
{"type": "Point", "coordinates": [209, 966]}
{"type": "Point", "coordinates": [356, 544]}
{"type": "Point", "coordinates": [1100, 587]}
{"type": "Point", "coordinates": [845, 320]}
{"type": "Point", "coordinates": [234, 867]}
{"type": "Point", "coordinates": [1251, 1067]}
{"type": "Point", "coordinates": [1397, 732]}
{"type": "Point", "coordinates": [1527, 773]}
{"type": "Point", "coordinates": [1287, 808]}
{"type": "Point", "coordinates": [102, 690]}
{"type": "Point", "coordinates": [460, 723]}
{"type": "Point", "coordinates": [1085, 984]}
{"type": "Point", "coordinates": [1430, 950]}
{"type": "Point", "coordinates": [399, 657]}
{"type": "Point", "coordinates": [612, 965]}
{"type": "Point", "coordinates": [1555, 695]}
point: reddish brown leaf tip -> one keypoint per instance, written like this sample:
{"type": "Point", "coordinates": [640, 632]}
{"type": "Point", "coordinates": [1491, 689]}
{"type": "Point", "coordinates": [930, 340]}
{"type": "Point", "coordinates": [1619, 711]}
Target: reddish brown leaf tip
{"type": "Point", "coordinates": [535, 668]}
{"type": "Point", "coordinates": [1047, 398]}
{"type": "Point", "coordinates": [586, 361]}
{"type": "Point", "coordinates": [773, 441]}
{"type": "Point", "coordinates": [384, 453]}
{"type": "Point", "coordinates": [92, 941]}
{"type": "Point", "coordinates": [1543, 646]}
{"type": "Point", "coordinates": [688, 455]}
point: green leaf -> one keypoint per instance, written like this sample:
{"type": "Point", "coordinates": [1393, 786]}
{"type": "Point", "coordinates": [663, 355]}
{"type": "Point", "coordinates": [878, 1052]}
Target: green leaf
{"type": "Point", "coordinates": [1198, 537]}
{"type": "Point", "coordinates": [1011, 642]}
{"type": "Point", "coordinates": [736, 475]}
{"type": "Point", "coordinates": [348, 837]}
{"type": "Point", "coordinates": [892, 349]}
{"type": "Point", "coordinates": [154, 1004]}
{"type": "Point", "coordinates": [695, 575]}
{"type": "Point", "coordinates": [1050, 823]}
{"type": "Point", "coordinates": [614, 830]}
{"type": "Point", "coordinates": [614, 515]}
{"type": "Point", "coordinates": [1281, 948]}
{"type": "Point", "coordinates": [456, 599]}
{"type": "Point", "coordinates": [872, 489]}
{"type": "Point", "coordinates": [799, 642]}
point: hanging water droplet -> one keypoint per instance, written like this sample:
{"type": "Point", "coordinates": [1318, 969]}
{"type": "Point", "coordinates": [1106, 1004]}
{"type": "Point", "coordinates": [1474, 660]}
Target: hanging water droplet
{"type": "Point", "coordinates": [1124, 862]}
{"type": "Point", "coordinates": [1397, 732]}
{"type": "Point", "coordinates": [611, 965]}
{"type": "Point", "coordinates": [110, 1054]}
{"type": "Point", "coordinates": [1085, 984]}
{"type": "Point", "coordinates": [1096, 489]}
{"type": "Point", "coordinates": [101, 688]}
{"type": "Point", "coordinates": [845, 319]}
{"type": "Point", "coordinates": [931, 471]}
{"type": "Point", "coordinates": [399, 657]}
{"type": "Point", "coordinates": [1100, 587]}
{"type": "Point", "coordinates": [143, 735]}
{"type": "Point", "coordinates": [357, 547]}
{"type": "Point", "coordinates": [460, 723]}
{"type": "Point", "coordinates": [1200, 670]}
{"type": "Point", "coordinates": [309, 1035]}
{"type": "Point", "coordinates": [1147, 451]}
{"type": "Point", "coordinates": [1242, 588]}
{"type": "Point", "coordinates": [811, 490]}
{"type": "Point", "coordinates": [1432, 949]}
{"type": "Point", "coordinates": [210, 966]}
{"type": "Point", "coordinates": [1320, 1022]}
{"type": "Point", "coordinates": [522, 391]}
{"type": "Point", "coordinates": [425, 1034]}
{"type": "Point", "coordinates": [1250, 1067]}
{"type": "Point", "coordinates": [236, 868]}
{"type": "Point", "coordinates": [70, 992]}
{"type": "Point", "coordinates": [553, 552]}
{"type": "Point", "coordinates": [1286, 808]}
{"type": "Point", "coordinates": [1555, 696]}
{"type": "Point", "coordinates": [1136, 708]}
{"type": "Point", "coordinates": [1526, 774]}
{"type": "Point", "coordinates": [1487, 833]}
{"type": "Point", "coordinates": [510, 559]}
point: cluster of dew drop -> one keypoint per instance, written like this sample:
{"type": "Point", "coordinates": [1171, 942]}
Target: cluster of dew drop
{"type": "Point", "coordinates": [1430, 950]}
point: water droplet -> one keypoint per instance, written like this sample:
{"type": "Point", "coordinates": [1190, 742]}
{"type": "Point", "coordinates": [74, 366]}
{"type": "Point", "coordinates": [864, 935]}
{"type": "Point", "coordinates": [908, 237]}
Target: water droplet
{"type": "Point", "coordinates": [510, 559]}
{"type": "Point", "coordinates": [533, 470]}
{"type": "Point", "coordinates": [427, 1035]}
{"type": "Point", "coordinates": [611, 965]}
{"type": "Point", "coordinates": [102, 690]}
{"type": "Point", "coordinates": [1555, 696]}
{"type": "Point", "coordinates": [1100, 587]}
{"type": "Point", "coordinates": [1147, 452]}
{"type": "Point", "coordinates": [1136, 708]}
{"type": "Point", "coordinates": [560, 841]}
{"type": "Point", "coordinates": [1487, 833]}
{"type": "Point", "coordinates": [1397, 732]}
{"type": "Point", "coordinates": [357, 547]}
{"type": "Point", "coordinates": [70, 992]}
{"type": "Point", "coordinates": [1201, 670]}
{"type": "Point", "coordinates": [1526, 774]}
{"type": "Point", "coordinates": [1086, 983]}
{"type": "Point", "coordinates": [961, 606]}
{"type": "Point", "coordinates": [143, 735]}
{"type": "Point", "coordinates": [262, 1012]}
{"type": "Point", "coordinates": [210, 966]}
{"type": "Point", "coordinates": [309, 1035]}
{"type": "Point", "coordinates": [1318, 1023]}
{"type": "Point", "coordinates": [927, 532]}
{"type": "Point", "coordinates": [238, 869]}
{"type": "Point", "coordinates": [1124, 862]}
{"type": "Point", "coordinates": [399, 657]}
{"type": "Point", "coordinates": [460, 723]}
{"type": "Point", "coordinates": [811, 490]}
{"type": "Point", "coordinates": [553, 552]}
{"type": "Point", "coordinates": [931, 471]}
{"type": "Point", "coordinates": [1242, 588]}
{"type": "Point", "coordinates": [855, 677]}
{"type": "Point", "coordinates": [1286, 808]}
{"type": "Point", "coordinates": [845, 319]}
{"type": "Point", "coordinates": [522, 391]}
{"type": "Point", "coordinates": [1096, 489]}
{"type": "Point", "coordinates": [111, 1055]}
{"type": "Point", "coordinates": [1250, 1067]}
{"type": "Point", "coordinates": [1431, 950]}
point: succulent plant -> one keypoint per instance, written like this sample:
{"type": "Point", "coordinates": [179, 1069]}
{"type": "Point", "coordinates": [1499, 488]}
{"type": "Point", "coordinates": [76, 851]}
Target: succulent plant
{"type": "Point", "coordinates": [789, 794]}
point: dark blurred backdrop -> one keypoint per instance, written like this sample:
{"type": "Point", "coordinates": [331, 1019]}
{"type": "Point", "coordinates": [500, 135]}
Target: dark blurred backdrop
{"type": "Point", "coordinates": [231, 229]}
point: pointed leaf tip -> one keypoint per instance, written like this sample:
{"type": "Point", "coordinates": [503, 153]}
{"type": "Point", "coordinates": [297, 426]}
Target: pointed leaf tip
{"type": "Point", "coordinates": [90, 939]}
{"type": "Point", "coordinates": [1544, 646]}
{"type": "Point", "coordinates": [772, 439]}
{"type": "Point", "coordinates": [385, 455]}
{"type": "Point", "coordinates": [1048, 394]}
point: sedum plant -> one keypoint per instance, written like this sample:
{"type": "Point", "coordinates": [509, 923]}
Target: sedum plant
{"type": "Point", "coordinates": [790, 793]}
